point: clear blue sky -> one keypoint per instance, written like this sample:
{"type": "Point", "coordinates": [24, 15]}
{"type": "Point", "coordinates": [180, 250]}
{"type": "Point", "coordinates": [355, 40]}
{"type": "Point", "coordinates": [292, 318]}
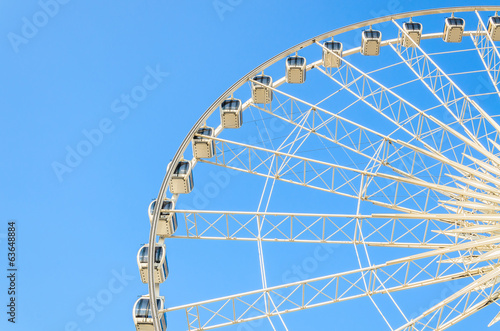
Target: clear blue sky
{"type": "Point", "coordinates": [80, 226]}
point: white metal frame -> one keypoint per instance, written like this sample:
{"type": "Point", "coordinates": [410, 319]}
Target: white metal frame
{"type": "Point", "coordinates": [471, 173]}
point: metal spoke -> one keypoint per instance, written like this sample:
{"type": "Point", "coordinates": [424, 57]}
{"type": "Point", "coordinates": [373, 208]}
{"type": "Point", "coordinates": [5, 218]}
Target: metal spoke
{"type": "Point", "coordinates": [418, 178]}
{"type": "Point", "coordinates": [391, 230]}
{"type": "Point", "coordinates": [325, 290]}
{"type": "Point", "coordinates": [488, 52]}
{"type": "Point", "coordinates": [445, 90]}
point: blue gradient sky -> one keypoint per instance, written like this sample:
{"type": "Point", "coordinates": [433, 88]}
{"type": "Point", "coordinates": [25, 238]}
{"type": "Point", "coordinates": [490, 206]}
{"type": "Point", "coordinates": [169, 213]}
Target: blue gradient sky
{"type": "Point", "coordinates": [81, 219]}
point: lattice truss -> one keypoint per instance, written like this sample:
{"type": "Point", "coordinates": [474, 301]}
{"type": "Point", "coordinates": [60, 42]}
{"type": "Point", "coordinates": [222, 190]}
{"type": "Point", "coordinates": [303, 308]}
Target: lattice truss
{"type": "Point", "coordinates": [437, 177]}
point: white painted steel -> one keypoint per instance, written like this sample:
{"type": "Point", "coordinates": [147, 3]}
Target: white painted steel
{"type": "Point", "coordinates": [475, 187]}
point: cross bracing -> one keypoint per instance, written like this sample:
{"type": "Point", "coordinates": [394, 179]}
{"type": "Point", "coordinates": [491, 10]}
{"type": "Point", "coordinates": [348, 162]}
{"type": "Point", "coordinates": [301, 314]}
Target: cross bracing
{"type": "Point", "coordinates": [432, 166]}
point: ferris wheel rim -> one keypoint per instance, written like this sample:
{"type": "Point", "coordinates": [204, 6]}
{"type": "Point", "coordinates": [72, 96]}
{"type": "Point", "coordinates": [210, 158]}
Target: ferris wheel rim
{"type": "Point", "coordinates": [153, 288]}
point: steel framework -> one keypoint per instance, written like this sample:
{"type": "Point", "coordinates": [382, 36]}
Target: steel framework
{"type": "Point", "coordinates": [436, 180]}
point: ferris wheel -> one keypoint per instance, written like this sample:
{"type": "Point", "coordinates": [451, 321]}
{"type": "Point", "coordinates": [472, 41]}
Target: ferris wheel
{"type": "Point", "coordinates": [380, 139]}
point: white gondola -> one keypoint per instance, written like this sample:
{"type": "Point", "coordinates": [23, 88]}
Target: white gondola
{"type": "Point", "coordinates": [142, 314]}
{"type": "Point", "coordinates": [231, 114]}
{"type": "Point", "coordinates": [453, 29]}
{"type": "Point", "coordinates": [296, 70]}
{"type": "Point", "coordinates": [182, 178]}
{"type": "Point", "coordinates": [370, 42]}
{"type": "Point", "coordinates": [204, 147]}
{"type": "Point", "coordinates": [329, 59]}
{"type": "Point", "coordinates": [414, 31]}
{"type": "Point", "coordinates": [160, 263]}
{"type": "Point", "coordinates": [167, 223]}
{"type": "Point", "coordinates": [494, 28]}
{"type": "Point", "coordinates": [262, 94]}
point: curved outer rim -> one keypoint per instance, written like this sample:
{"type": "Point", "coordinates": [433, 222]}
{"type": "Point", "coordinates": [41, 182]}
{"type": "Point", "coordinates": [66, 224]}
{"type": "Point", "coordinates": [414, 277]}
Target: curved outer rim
{"type": "Point", "coordinates": [185, 143]}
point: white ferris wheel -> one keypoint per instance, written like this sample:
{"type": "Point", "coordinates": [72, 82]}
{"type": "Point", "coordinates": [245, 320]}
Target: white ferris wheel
{"type": "Point", "coordinates": [379, 140]}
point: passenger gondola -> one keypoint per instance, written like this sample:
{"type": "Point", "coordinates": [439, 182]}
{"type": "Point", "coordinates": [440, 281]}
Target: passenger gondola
{"type": "Point", "coordinates": [204, 147]}
{"type": "Point", "coordinates": [160, 263]}
{"type": "Point", "coordinates": [182, 178]}
{"type": "Point", "coordinates": [414, 32]}
{"type": "Point", "coordinates": [453, 29]}
{"type": "Point", "coordinates": [167, 223]}
{"type": "Point", "coordinates": [370, 42]}
{"type": "Point", "coordinates": [261, 93]}
{"type": "Point", "coordinates": [296, 70]}
{"type": "Point", "coordinates": [330, 60]}
{"type": "Point", "coordinates": [142, 314]}
{"type": "Point", "coordinates": [231, 113]}
{"type": "Point", "coordinates": [494, 28]}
